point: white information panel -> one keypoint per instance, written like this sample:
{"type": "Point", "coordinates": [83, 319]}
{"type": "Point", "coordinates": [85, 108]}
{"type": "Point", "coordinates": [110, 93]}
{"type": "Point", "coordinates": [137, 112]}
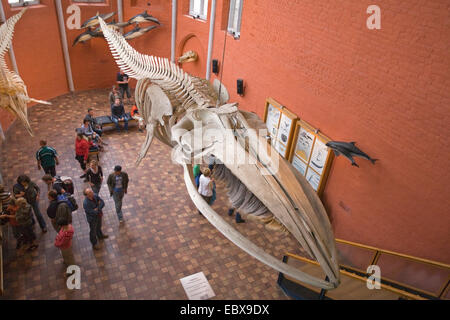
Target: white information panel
{"type": "Point", "coordinates": [273, 117]}
{"type": "Point", "coordinates": [197, 287]}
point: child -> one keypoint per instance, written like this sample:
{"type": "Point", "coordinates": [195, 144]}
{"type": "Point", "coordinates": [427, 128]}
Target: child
{"type": "Point", "coordinates": [63, 241]}
{"type": "Point", "coordinates": [25, 222]}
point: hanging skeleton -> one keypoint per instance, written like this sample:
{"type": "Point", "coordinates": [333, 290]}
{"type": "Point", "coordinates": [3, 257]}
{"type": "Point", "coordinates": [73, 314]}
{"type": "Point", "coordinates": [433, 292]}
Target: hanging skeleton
{"type": "Point", "coordinates": [179, 109]}
{"type": "Point", "coordinates": [13, 92]}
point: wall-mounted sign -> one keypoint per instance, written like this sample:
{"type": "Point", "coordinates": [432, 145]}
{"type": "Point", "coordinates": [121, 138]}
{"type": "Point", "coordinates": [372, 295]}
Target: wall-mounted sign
{"type": "Point", "coordinates": [280, 124]}
{"type": "Point", "coordinates": [310, 156]}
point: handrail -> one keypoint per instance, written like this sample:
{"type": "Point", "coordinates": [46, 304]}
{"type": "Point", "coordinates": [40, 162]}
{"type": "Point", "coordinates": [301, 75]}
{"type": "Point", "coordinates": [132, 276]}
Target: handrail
{"type": "Point", "coordinates": [435, 263]}
{"type": "Point", "coordinates": [352, 275]}
{"type": "Point", "coordinates": [377, 254]}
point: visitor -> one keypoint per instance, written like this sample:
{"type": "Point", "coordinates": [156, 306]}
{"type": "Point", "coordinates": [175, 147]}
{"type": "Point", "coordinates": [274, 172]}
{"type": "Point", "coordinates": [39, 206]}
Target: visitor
{"type": "Point", "coordinates": [30, 191]}
{"type": "Point", "coordinates": [93, 122]}
{"type": "Point", "coordinates": [55, 183]}
{"type": "Point", "coordinates": [25, 223]}
{"type": "Point", "coordinates": [118, 114]}
{"type": "Point", "coordinates": [82, 153]}
{"type": "Point", "coordinates": [93, 206]}
{"type": "Point", "coordinates": [47, 158]}
{"type": "Point", "coordinates": [122, 81]}
{"type": "Point", "coordinates": [118, 186]}
{"type": "Point", "coordinates": [89, 132]}
{"type": "Point", "coordinates": [136, 116]}
{"type": "Point", "coordinates": [63, 241]}
{"type": "Point", "coordinates": [197, 174]}
{"type": "Point", "coordinates": [238, 215]}
{"type": "Point", "coordinates": [10, 214]}
{"type": "Point", "coordinates": [205, 187]}
{"type": "Point", "coordinates": [95, 176]}
{"type": "Point", "coordinates": [57, 209]}
{"type": "Point", "coordinates": [113, 95]}
{"type": "Point", "coordinates": [5, 197]}
{"type": "Point", "coordinates": [52, 196]}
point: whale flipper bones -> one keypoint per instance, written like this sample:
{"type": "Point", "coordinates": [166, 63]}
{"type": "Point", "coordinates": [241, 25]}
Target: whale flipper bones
{"type": "Point", "coordinates": [13, 91]}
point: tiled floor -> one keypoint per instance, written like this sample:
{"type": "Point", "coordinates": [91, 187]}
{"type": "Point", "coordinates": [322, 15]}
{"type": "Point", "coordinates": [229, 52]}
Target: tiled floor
{"type": "Point", "coordinates": [163, 239]}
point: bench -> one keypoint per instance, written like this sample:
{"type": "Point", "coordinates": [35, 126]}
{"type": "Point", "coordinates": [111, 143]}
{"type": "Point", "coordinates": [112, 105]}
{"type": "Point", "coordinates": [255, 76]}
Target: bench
{"type": "Point", "coordinates": [106, 121]}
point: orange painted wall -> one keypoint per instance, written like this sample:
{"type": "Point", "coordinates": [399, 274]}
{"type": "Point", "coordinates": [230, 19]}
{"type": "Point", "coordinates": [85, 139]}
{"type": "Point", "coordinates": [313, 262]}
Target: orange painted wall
{"type": "Point", "coordinates": [38, 53]}
{"type": "Point", "coordinates": [91, 62]}
{"type": "Point", "coordinates": [385, 89]}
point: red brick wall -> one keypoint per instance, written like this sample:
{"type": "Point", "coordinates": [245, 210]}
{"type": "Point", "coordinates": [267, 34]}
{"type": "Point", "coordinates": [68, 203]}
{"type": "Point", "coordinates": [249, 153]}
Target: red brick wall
{"type": "Point", "coordinates": [385, 89]}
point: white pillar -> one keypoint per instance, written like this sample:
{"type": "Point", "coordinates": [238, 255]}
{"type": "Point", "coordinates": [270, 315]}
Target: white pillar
{"type": "Point", "coordinates": [120, 12]}
{"type": "Point", "coordinates": [174, 30]}
{"type": "Point", "coordinates": [62, 32]}
{"type": "Point", "coordinates": [211, 39]}
{"type": "Point", "coordinates": [12, 57]}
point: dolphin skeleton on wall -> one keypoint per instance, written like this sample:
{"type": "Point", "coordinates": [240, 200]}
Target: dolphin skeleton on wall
{"type": "Point", "coordinates": [13, 91]}
{"type": "Point", "coordinates": [179, 108]}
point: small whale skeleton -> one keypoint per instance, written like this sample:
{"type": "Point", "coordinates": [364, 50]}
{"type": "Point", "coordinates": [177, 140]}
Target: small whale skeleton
{"type": "Point", "coordinates": [86, 36]}
{"type": "Point", "coordinates": [176, 107]}
{"type": "Point", "coordinates": [143, 17]}
{"type": "Point", "coordinates": [93, 21]}
{"type": "Point", "coordinates": [348, 150]}
{"type": "Point", "coordinates": [137, 32]}
{"type": "Point", "coordinates": [132, 34]}
{"type": "Point", "coordinates": [13, 91]}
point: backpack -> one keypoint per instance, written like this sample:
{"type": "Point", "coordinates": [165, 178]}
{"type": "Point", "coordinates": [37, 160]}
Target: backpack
{"type": "Point", "coordinates": [69, 200]}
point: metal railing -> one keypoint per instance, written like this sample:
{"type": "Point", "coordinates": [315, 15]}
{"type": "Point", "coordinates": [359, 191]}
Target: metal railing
{"type": "Point", "coordinates": [369, 255]}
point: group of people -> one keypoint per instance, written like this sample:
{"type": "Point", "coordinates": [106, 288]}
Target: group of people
{"type": "Point", "coordinates": [21, 207]}
{"type": "Point", "coordinates": [116, 98]}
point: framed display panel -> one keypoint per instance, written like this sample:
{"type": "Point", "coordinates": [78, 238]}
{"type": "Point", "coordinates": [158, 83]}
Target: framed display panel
{"type": "Point", "coordinates": [280, 125]}
{"type": "Point", "coordinates": [310, 156]}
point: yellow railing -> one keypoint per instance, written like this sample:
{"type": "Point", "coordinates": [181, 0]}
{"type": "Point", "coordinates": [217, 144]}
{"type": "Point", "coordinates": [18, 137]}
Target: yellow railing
{"type": "Point", "coordinates": [363, 279]}
{"type": "Point", "coordinates": [377, 253]}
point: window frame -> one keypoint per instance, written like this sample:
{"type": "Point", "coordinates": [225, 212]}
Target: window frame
{"type": "Point", "coordinates": [199, 15]}
{"type": "Point", "coordinates": [23, 3]}
{"type": "Point", "coordinates": [231, 16]}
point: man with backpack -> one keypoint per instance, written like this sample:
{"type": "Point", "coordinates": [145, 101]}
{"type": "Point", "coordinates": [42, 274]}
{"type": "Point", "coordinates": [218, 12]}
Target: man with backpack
{"type": "Point", "coordinates": [58, 208]}
{"type": "Point", "coordinates": [59, 183]}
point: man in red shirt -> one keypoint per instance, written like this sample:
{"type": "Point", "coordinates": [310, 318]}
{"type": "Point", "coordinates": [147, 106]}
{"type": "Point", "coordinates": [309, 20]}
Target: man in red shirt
{"type": "Point", "coordinates": [82, 152]}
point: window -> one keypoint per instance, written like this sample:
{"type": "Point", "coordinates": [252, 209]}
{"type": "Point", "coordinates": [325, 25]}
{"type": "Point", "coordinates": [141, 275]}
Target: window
{"type": "Point", "coordinates": [234, 18]}
{"type": "Point", "coordinates": [198, 8]}
{"type": "Point", "coordinates": [22, 3]}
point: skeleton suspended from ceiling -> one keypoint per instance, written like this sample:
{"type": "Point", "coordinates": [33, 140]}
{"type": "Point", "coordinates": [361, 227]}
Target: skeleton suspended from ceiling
{"type": "Point", "coordinates": [180, 110]}
{"type": "Point", "coordinates": [13, 91]}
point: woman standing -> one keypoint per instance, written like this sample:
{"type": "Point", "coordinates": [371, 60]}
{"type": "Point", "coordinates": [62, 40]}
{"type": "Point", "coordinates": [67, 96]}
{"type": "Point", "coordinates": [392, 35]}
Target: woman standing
{"type": "Point", "coordinates": [95, 176]}
{"type": "Point", "coordinates": [205, 187]}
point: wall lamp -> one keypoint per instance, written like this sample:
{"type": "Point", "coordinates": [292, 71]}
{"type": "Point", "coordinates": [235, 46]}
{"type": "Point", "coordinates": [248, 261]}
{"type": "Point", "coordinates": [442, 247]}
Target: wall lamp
{"type": "Point", "coordinates": [215, 66]}
{"type": "Point", "coordinates": [240, 87]}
